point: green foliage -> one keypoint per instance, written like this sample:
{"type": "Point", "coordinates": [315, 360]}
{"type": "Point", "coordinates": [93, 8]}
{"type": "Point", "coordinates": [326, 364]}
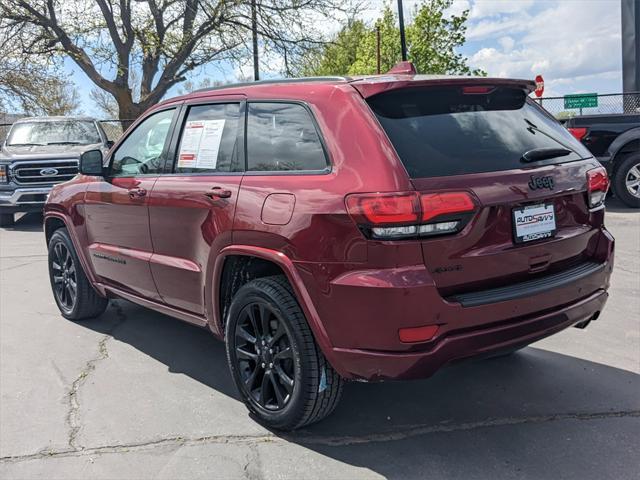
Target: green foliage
{"type": "Point", "coordinates": [432, 39]}
{"type": "Point", "coordinates": [366, 62]}
{"type": "Point", "coordinates": [337, 56]}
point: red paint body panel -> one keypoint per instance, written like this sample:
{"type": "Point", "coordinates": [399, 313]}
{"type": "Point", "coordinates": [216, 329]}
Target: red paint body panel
{"type": "Point", "coordinates": [117, 221]}
{"type": "Point", "coordinates": [190, 228]}
{"type": "Point", "coordinates": [356, 293]}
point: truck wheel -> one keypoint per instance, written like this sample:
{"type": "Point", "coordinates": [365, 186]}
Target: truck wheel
{"type": "Point", "coordinates": [76, 298]}
{"type": "Point", "coordinates": [280, 372]}
{"type": "Point", "coordinates": [6, 220]}
{"type": "Point", "coordinates": [626, 182]}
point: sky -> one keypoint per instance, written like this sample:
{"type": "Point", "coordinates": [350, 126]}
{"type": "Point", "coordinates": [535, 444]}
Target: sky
{"type": "Point", "coordinates": [574, 44]}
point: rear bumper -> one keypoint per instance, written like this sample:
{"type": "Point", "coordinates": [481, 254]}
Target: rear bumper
{"type": "Point", "coordinates": [372, 365]}
{"type": "Point", "coordinates": [362, 312]}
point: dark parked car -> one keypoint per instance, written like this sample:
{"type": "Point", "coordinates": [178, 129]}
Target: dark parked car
{"type": "Point", "coordinates": [336, 229]}
{"type": "Point", "coordinates": [615, 141]}
{"type": "Point", "coordinates": [39, 153]}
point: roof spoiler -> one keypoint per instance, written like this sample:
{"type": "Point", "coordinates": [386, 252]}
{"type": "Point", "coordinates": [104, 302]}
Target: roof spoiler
{"type": "Point", "coordinates": [403, 67]}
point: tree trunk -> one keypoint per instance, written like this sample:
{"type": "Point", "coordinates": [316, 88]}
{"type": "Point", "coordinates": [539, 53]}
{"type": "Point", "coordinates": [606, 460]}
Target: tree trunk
{"type": "Point", "coordinates": [128, 110]}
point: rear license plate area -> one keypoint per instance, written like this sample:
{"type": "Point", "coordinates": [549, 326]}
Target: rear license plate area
{"type": "Point", "coordinates": [534, 222]}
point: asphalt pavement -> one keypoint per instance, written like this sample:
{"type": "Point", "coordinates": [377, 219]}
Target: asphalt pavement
{"type": "Point", "coordinates": [135, 394]}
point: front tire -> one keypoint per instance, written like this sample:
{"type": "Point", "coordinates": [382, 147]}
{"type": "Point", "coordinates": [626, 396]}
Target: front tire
{"type": "Point", "coordinates": [74, 295]}
{"type": "Point", "coordinates": [626, 182]}
{"type": "Point", "coordinates": [280, 372]}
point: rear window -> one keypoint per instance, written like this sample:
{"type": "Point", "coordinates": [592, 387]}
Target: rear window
{"type": "Point", "coordinates": [282, 137]}
{"type": "Point", "coordinates": [447, 131]}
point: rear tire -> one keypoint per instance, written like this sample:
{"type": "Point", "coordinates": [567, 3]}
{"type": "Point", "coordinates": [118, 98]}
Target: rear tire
{"type": "Point", "coordinates": [6, 220]}
{"type": "Point", "coordinates": [74, 295]}
{"type": "Point", "coordinates": [628, 174]}
{"type": "Point", "coordinates": [271, 349]}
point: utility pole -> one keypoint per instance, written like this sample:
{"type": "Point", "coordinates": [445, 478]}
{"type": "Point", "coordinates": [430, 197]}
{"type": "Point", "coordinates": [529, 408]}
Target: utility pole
{"type": "Point", "coordinates": [254, 33]}
{"type": "Point", "coordinates": [378, 48]}
{"type": "Point", "coordinates": [403, 42]}
{"type": "Point", "coordinates": [630, 10]}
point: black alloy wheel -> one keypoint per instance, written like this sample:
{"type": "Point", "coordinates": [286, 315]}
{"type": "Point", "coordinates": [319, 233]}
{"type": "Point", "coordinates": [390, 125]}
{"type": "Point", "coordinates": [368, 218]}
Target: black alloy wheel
{"type": "Point", "coordinates": [75, 296]}
{"type": "Point", "coordinates": [264, 356]}
{"type": "Point", "coordinates": [65, 281]}
{"type": "Point", "coordinates": [282, 376]}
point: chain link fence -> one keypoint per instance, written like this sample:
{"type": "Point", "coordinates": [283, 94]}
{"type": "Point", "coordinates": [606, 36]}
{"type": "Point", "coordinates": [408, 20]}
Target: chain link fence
{"type": "Point", "coordinates": [115, 128]}
{"type": "Point", "coordinates": [4, 130]}
{"type": "Point", "coordinates": [609, 103]}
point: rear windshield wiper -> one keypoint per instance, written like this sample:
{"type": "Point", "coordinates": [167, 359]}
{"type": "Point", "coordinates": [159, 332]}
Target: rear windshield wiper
{"type": "Point", "coordinates": [63, 143]}
{"type": "Point", "coordinates": [544, 154]}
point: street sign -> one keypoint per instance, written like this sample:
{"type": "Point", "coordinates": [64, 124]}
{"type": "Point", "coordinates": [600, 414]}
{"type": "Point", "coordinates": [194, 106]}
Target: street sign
{"type": "Point", "coordinates": [581, 100]}
{"type": "Point", "coordinates": [539, 86]}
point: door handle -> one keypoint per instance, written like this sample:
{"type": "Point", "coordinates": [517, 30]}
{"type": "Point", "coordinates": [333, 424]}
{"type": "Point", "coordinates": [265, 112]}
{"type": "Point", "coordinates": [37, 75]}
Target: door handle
{"type": "Point", "coordinates": [218, 192]}
{"type": "Point", "coordinates": [137, 192]}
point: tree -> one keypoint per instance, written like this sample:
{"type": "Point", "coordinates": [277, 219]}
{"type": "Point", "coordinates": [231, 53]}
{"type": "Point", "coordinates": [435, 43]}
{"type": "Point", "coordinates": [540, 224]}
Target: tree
{"type": "Point", "coordinates": [336, 57]}
{"type": "Point", "coordinates": [33, 88]}
{"type": "Point", "coordinates": [164, 40]}
{"type": "Point", "coordinates": [390, 54]}
{"type": "Point", "coordinates": [432, 39]}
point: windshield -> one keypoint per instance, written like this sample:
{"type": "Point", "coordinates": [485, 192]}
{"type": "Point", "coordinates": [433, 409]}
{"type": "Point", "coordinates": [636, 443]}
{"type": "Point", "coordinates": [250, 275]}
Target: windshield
{"type": "Point", "coordinates": [65, 132]}
{"type": "Point", "coordinates": [454, 131]}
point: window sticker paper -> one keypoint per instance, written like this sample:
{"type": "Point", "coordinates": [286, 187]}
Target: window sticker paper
{"type": "Point", "coordinates": [201, 144]}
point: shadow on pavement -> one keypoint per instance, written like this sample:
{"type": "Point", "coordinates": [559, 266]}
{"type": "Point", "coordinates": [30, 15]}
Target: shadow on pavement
{"type": "Point", "coordinates": [28, 222]}
{"type": "Point", "coordinates": [534, 414]}
{"type": "Point", "coordinates": [616, 206]}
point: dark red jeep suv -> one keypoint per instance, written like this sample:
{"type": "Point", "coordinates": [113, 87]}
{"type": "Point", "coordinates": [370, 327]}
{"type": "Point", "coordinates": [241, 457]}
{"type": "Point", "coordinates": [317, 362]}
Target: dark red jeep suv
{"type": "Point", "coordinates": [333, 229]}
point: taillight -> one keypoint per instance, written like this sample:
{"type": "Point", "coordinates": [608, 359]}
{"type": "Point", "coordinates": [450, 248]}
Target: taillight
{"type": "Point", "coordinates": [578, 132]}
{"type": "Point", "coordinates": [390, 216]}
{"type": "Point", "coordinates": [436, 204]}
{"type": "Point", "coordinates": [597, 186]}
{"type": "Point", "coordinates": [387, 208]}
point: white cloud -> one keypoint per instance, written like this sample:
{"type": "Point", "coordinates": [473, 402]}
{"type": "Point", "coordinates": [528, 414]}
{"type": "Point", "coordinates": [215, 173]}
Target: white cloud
{"type": "Point", "coordinates": [506, 43]}
{"type": "Point", "coordinates": [563, 41]}
{"type": "Point", "coordinates": [458, 7]}
{"type": "Point", "coordinates": [488, 8]}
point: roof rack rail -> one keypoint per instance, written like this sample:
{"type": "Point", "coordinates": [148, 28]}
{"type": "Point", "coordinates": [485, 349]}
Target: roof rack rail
{"type": "Point", "coordinates": [276, 80]}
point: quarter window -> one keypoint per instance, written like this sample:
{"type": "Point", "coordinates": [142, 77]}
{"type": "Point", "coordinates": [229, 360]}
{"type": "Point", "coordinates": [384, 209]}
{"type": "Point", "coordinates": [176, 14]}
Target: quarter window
{"type": "Point", "coordinates": [141, 151]}
{"type": "Point", "coordinates": [282, 137]}
{"type": "Point", "coordinates": [208, 141]}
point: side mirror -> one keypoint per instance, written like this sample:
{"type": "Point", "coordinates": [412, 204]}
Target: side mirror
{"type": "Point", "coordinates": [91, 163]}
{"type": "Point", "coordinates": [110, 143]}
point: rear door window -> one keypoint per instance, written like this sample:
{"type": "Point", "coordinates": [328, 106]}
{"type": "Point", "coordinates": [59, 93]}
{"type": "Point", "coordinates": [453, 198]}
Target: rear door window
{"type": "Point", "coordinates": [209, 139]}
{"type": "Point", "coordinates": [282, 137]}
{"type": "Point", "coordinates": [456, 130]}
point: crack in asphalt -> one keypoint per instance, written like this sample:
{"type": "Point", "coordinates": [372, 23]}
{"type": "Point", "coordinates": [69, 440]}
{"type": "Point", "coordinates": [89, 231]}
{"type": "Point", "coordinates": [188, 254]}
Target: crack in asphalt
{"type": "Point", "coordinates": [13, 267]}
{"type": "Point", "coordinates": [253, 461]}
{"type": "Point", "coordinates": [72, 417]}
{"type": "Point", "coordinates": [252, 468]}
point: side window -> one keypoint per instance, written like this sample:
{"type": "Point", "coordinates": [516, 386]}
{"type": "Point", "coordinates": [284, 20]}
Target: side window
{"type": "Point", "coordinates": [282, 137]}
{"type": "Point", "coordinates": [141, 152]}
{"type": "Point", "coordinates": [209, 139]}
